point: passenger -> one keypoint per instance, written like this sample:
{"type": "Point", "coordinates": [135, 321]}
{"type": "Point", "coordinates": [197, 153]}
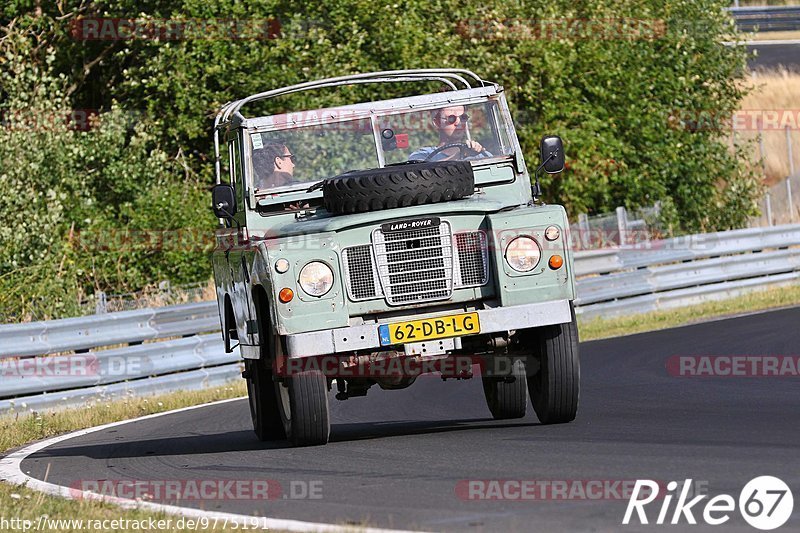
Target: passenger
{"type": "Point", "coordinates": [451, 125]}
{"type": "Point", "coordinates": [274, 165]}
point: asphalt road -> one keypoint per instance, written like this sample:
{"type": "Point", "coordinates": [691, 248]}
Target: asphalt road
{"type": "Point", "coordinates": [397, 457]}
{"type": "Point", "coordinates": [772, 56]}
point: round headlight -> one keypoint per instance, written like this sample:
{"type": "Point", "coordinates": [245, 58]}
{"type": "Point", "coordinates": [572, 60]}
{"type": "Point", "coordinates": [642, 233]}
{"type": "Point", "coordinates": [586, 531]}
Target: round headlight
{"type": "Point", "coordinates": [316, 278]}
{"type": "Point", "coordinates": [523, 254]}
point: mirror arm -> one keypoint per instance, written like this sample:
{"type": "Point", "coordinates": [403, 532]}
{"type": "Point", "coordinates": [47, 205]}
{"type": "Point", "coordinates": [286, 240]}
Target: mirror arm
{"type": "Point", "coordinates": [231, 218]}
{"type": "Point", "coordinates": [536, 189]}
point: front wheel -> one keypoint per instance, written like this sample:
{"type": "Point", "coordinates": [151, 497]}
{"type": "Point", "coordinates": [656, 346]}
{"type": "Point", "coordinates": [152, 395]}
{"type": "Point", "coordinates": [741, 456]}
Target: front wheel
{"type": "Point", "coordinates": [303, 406]}
{"type": "Point", "coordinates": [507, 396]}
{"type": "Point", "coordinates": [263, 403]}
{"type": "Point", "coordinates": [555, 388]}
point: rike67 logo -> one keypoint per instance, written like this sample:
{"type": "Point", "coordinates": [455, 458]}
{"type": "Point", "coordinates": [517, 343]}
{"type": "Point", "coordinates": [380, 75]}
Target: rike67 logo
{"type": "Point", "coordinates": [765, 503]}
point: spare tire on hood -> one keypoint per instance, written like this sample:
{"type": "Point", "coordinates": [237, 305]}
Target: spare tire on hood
{"type": "Point", "coordinates": [398, 186]}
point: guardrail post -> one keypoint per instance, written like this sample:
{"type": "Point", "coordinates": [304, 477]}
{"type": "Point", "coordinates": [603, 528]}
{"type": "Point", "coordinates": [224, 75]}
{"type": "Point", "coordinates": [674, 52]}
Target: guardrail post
{"type": "Point", "coordinates": [656, 222]}
{"type": "Point", "coordinates": [768, 205]}
{"type": "Point", "coordinates": [583, 228]}
{"type": "Point", "coordinates": [622, 225]}
{"type": "Point", "coordinates": [767, 197]}
{"type": "Point", "coordinates": [761, 155]}
{"type": "Point", "coordinates": [789, 199]}
{"type": "Point", "coordinates": [100, 303]}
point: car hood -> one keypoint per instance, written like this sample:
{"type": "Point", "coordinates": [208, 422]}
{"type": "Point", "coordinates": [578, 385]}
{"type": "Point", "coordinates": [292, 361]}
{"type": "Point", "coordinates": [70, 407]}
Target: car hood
{"type": "Point", "coordinates": [322, 221]}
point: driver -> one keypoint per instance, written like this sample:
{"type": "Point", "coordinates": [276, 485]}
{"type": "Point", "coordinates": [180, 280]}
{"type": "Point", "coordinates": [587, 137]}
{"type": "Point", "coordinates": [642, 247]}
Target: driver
{"type": "Point", "coordinates": [274, 164]}
{"type": "Point", "coordinates": [451, 124]}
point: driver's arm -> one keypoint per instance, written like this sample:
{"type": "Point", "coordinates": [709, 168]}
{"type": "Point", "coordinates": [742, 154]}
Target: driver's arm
{"type": "Point", "coordinates": [421, 153]}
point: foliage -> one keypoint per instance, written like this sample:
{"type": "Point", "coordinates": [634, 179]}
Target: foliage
{"type": "Point", "coordinates": [617, 92]}
{"type": "Point", "coordinates": [67, 192]}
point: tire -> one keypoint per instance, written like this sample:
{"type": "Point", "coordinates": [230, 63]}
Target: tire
{"type": "Point", "coordinates": [267, 422]}
{"type": "Point", "coordinates": [507, 400]}
{"type": "Point", "coordinates": [400, 186]}
{"type": "Point", "coordinates": [555, 388]}
{"type": "Point", "coordinates": [303, 405]}
{"type": "Point", "coordinates": [264, 412]}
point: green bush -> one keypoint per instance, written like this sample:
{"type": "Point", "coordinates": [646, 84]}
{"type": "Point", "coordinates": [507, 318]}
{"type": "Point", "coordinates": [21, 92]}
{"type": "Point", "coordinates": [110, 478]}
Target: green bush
{"type": "Point", "coordinates": [70, 196]}
{"type": "Point", "coordinates": [613, 98]}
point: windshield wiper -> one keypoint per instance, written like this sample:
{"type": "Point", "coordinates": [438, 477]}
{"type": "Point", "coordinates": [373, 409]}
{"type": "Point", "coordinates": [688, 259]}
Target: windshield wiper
{"type": "Point", "coordinates": [316, 186]}
{"type": "Point", "coordinates": [409, 162]}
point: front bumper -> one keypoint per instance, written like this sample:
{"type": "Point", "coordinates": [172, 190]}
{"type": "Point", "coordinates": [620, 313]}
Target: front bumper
{"type": "Point", "coordinates": [365, 337]}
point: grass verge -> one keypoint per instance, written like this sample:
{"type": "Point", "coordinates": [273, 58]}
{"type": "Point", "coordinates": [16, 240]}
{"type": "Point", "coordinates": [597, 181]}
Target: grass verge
{"type": "Point", "coordinates": [773, 97]}
{"type": "Point", "coordinates": [601, 328]}
{"type": "Point", "coordinates": [775, 35]}
{"type": "Point", "coordinates": [17, 502]}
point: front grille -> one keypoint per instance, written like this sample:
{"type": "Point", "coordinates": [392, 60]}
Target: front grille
{"type": "Point", "coordinates": [472, 259]}
{"type": "Point", "coordinates": [360, 273]}
{"type": "Point", "coordinates": [415, 265]}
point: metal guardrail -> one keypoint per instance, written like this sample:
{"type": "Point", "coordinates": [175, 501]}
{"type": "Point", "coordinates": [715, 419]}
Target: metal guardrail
{"type": "Point", "coordinates": [686, 248]}
{"type": "Point", "coordinates": [686, 270]}
{"type": "Point", "coordinates": [109, 366]}
{"type": "Point", "coordinates": [682, 275]}
{"type": "Point", "coordinates": [767, 18]}
{"type": "Point", "coordinates": [629, 279]}
{"type": "Point", "coordinates": [39, 338]}
{"type": "Point", "coordinates": [31, 376]}
{"type": "Point", "coordinates": [194, 380]}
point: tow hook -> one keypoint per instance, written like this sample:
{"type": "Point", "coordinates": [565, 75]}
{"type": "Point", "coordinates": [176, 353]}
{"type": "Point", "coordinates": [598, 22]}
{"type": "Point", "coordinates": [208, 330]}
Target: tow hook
{"type": "Point", "coordinates": [349, 391]}
{"type": "Point", "coordinates": [341, 390]}
{"type": "Point", "coordinates": [464, 374]}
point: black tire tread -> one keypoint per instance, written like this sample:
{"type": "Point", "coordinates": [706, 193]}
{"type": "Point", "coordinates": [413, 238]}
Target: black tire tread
{"type": "Point", "coordinates": [267, 422]}
{"type": "Point", "coordinates": [390, 187]}
{"type": "Point", "coordinates": [507, 400]}
{"type": "Point", "coordinates": [555, 389]}
{"type": "Point", "coordinates": [308, 397]}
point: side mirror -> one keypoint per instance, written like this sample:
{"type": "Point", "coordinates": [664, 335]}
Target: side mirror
{"type": "Point", "coordinates": [391, 141]}
{"type": "Point", "coordinates": [223, 201]}
{"type": "Point", "coordinates": [551, 150]}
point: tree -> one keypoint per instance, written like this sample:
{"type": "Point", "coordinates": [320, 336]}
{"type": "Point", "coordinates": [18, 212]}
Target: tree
{"type": "Point", "coordinates": [618, 80]}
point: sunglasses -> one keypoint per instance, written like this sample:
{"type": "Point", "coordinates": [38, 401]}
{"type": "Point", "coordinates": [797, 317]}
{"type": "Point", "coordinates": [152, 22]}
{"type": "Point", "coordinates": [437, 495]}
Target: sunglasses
{"type": "Point", "coordinates": [292, 157]}
{"type": "Point", "coordinates": [451, 119]}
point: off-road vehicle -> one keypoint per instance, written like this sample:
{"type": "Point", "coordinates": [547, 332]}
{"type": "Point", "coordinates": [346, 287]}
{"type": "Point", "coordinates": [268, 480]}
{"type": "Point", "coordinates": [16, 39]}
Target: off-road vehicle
{"type": "Point", "coordinates": [368, 243]}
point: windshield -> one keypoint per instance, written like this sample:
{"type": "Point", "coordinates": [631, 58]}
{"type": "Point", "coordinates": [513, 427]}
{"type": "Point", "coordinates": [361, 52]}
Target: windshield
{"type": "Point", "coordinates": [448, 133]}
{"type": "Point", "coordinates": [312, 153]}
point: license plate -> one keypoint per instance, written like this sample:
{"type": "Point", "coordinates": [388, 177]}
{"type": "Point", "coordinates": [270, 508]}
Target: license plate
{"type": "Point", "coordinates": [429, 328]}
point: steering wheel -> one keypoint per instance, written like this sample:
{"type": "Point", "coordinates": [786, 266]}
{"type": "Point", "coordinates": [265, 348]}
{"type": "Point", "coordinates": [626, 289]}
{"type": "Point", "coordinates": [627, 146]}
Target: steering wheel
{"type": "Point", "coordinates": [463, 148]}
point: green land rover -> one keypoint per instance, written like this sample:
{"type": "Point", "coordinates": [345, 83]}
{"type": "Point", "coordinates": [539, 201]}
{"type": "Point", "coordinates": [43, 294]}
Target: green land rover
{"type": "Point", "coordinates": [371, 243]}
